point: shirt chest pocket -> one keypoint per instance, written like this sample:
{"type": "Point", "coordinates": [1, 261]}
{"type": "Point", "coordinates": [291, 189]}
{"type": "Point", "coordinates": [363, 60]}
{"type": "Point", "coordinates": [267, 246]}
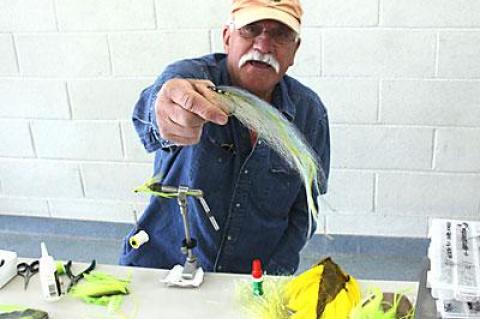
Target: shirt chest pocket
{"type": "Point", "coordinates": [276, 188]}
{"type": "Point", "coordinates": [210, 160]}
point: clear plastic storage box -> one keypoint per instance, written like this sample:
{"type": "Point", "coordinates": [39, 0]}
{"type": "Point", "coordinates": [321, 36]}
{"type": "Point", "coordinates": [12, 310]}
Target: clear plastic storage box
{"type": "Point", "coordinates": [453, 309]}
{"type": "Point", "coordinates": [454, 276]}
{"type": "Point", "coordinates": [454, 254]}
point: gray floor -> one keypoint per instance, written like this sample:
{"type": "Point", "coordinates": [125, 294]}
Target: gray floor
{"type": "Point", "coordinates": [364, 257]}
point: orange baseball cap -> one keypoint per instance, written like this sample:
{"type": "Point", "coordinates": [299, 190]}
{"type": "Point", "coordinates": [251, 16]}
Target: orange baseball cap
{"type": "Point", "coordinates": [288, 12]}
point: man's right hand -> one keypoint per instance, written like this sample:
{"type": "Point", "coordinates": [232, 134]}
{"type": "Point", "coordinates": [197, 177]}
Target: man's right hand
{"type": "Point", "coordinates": [183, 107]}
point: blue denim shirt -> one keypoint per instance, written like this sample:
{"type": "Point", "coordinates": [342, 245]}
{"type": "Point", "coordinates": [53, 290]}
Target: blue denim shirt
{"type": "Point", "coordinates": [257, 199]}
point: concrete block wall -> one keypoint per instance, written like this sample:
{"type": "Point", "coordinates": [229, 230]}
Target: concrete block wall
{"type": "Point", "coordinates": [400, 79]}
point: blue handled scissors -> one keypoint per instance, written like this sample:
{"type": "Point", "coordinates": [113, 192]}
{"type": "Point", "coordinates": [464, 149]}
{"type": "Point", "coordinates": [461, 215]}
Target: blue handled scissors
{"type": "Point", "coordinates": [27, 271]}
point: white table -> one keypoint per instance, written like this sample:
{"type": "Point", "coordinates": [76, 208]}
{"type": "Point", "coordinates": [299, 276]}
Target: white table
{"type": "Point", "coordinates": [214, 299]}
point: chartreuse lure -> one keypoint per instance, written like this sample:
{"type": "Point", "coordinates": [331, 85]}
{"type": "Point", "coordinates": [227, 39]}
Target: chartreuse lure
{"type": "Point", "coordinates": [154, 187]}
{"type": "Point", "coordinates": [322, 292]}
{"type": "Point", "coordinates": [272, 127]}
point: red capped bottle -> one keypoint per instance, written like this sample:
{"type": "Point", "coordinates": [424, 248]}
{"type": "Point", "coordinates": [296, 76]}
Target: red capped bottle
{"type": "Point", "coordinates": [257, 277]}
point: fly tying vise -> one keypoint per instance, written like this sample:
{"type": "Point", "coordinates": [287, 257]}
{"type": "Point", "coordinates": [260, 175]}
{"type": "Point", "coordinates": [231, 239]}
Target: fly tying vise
{"type": "Point", "coordinates": [271, 126]}
{"type": "Point", "coordinates": [190, 275]}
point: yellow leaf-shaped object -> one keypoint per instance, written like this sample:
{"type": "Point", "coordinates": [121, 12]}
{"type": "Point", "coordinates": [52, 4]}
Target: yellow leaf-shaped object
{"type": "Point", "coordinates": [323, 292]}
{"type": "Point", "coordinates": [302, 293]}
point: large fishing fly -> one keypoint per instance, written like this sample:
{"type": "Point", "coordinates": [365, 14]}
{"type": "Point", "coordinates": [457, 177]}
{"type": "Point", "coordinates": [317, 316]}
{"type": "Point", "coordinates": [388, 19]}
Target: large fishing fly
{"type": "Point", "coordinates": [283, 136]}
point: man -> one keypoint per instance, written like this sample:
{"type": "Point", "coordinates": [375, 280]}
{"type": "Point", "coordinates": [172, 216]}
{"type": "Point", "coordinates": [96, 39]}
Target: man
{"type": "Point", "coordinates": [258, 201]}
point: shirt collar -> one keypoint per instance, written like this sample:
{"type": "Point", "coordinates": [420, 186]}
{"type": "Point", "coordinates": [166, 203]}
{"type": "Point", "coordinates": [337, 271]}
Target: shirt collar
{"type": "Point", "coordinates": [282, 101]}
{"type": "Point", "coordinates": [224, 76]}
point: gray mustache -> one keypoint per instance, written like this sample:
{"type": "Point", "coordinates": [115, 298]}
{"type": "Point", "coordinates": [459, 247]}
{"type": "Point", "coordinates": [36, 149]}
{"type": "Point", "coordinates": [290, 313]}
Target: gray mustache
{"type": "Point", "coordinates": [260, 57]}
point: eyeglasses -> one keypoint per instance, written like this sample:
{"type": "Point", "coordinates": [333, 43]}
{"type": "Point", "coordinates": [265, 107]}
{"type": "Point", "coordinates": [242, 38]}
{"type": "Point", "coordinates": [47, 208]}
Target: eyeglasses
{"type": "Point", "coordinates": [280, 34]}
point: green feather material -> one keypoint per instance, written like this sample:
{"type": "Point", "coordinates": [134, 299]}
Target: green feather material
{"type": "Point", "coordinates": [101, 289]}
{"type": "Point", "coordinates": [271, 305]}
{"type": "Point", "coordinates": [373, 307]}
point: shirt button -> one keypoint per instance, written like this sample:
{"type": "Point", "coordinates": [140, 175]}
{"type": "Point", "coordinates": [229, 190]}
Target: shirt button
{"type": "Point", "coordinates": [237, 205]}
{"type": "Point", "coordinates": [229, 237]}
{"type": "Point", "coordinates": [219, 267]}
{"type": "Point", "coordinates": [219, 159]}
{"type": "Point", "coordinates": [245, 171]}
{"type": "Point", "coordinates": [259, 142]}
